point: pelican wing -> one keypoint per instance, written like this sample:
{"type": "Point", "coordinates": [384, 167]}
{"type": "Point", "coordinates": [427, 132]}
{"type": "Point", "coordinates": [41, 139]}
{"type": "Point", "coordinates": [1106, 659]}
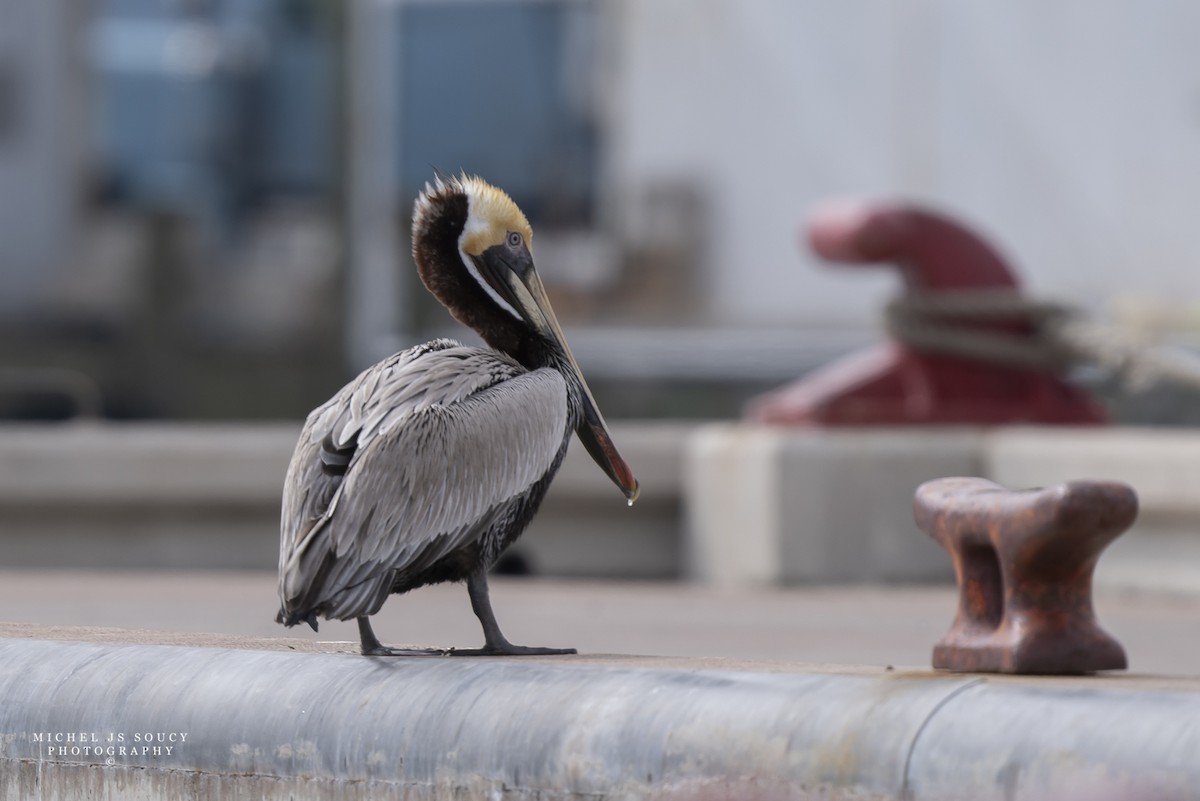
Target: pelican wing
{"type": "Point", "coordinates": [409, 462]}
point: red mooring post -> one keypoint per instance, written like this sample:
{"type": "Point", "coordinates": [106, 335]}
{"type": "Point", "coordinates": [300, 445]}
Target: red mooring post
{"type": "Point", "coordinates": [895, 384]}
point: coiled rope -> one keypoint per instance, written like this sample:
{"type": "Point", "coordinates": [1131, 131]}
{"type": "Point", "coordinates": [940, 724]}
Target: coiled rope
{"type": "Point", "coordinates": [1048, 337]}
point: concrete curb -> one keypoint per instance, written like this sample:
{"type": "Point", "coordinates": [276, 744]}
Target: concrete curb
{"type": "Point", "coordinates": [772, 505]}
{"type": "Point", "coordinates": [271, 724]}
{"type": "Point", "coordinates": [206, 496]}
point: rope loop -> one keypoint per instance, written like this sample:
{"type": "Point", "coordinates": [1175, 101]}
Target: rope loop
{"type": "Point", "coordinates": [997, 326]}
{"type": "Point", "coordinates": [1003, 327]}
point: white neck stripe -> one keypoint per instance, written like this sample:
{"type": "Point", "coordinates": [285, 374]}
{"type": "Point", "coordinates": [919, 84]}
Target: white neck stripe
{"type": "Point", "coordinates": [474, 224]}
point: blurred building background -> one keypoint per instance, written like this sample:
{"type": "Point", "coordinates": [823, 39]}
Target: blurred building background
{"type": "Point", "coordinates": [204, 204]}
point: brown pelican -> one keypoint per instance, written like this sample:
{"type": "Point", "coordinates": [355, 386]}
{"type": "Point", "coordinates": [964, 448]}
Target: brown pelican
{"type": "Point", "coordinates": [425, 467]}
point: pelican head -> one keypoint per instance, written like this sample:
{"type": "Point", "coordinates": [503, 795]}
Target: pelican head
{"type": "Point", "coordinates": [473, 250]}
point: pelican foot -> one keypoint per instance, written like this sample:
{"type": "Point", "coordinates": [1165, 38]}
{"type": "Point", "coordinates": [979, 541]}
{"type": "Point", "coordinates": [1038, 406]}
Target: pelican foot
{"type": "Point", "coordinates": [371, 646]}
{"type": "Point", "coordinates": [508, 649]}
{"type": "Point", "coordinates": [497, 643]}
{"type": "Point", "coordinates": [383, 650]}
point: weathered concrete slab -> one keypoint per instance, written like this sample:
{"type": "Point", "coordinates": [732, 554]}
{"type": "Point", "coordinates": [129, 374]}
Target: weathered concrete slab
{"type": "Point", "coordinates": [1160, 464]}
{"type": "Point", "coordinates": [152, 495]}
{"type": "Point", "coordinates": [770, 504]}
{"type": "Point", "coordinates": [775, 504]}
{"type": "Point", "coordinates": [730, 503]}
{"type": "Point", "coordinates": [138, 721]}
{"type": "Point", "coordinates": [870, 625]}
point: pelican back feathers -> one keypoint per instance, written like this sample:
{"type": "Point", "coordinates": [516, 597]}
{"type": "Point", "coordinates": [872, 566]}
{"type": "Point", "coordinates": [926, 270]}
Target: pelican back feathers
{"type": "Point", "coordinates": [437, 450]}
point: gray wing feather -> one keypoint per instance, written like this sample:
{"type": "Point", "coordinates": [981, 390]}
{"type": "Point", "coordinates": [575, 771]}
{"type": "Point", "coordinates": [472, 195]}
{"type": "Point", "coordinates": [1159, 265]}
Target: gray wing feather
{"type": "Point", "coordinates": [444, 437]}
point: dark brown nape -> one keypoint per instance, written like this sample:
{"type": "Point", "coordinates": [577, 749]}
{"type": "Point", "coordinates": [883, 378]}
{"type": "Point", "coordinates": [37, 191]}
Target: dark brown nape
{"type": "Point", "coordinates": [435, 251]}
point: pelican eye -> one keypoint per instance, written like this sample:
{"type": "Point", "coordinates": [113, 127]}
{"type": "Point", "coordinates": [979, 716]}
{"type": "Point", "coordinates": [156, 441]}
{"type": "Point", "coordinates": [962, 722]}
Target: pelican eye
{"type": "Point", "coordinates": [514, 239]}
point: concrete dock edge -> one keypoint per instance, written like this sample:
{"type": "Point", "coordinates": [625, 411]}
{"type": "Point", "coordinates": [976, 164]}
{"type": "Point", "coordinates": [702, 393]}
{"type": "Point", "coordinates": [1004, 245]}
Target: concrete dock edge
{"type": "Point", "coordinates": [84, 720]}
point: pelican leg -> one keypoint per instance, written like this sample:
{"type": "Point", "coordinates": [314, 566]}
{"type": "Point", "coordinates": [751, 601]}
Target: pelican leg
{"type": "Point", "coordinates": [372, 647]}
{"type": "Point", "coordinates": [496, 644]}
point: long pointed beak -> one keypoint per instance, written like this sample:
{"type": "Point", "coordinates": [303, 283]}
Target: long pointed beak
{"type": "Point", "coordinates": [593, 431]}
{"type": "Point", "coordinates": [524, 288]}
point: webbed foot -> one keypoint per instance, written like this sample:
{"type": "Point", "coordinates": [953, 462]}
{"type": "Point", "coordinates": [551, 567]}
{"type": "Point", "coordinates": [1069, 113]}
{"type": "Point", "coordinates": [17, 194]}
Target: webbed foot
{"type": "Point", "coordinates": [508, 649]}
{"type": "Point", "coordinates": [371, 646]}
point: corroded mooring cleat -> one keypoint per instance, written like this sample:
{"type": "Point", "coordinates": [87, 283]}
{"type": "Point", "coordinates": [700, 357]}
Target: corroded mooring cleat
{"type": "Point", "coordinates": [1024, 563]}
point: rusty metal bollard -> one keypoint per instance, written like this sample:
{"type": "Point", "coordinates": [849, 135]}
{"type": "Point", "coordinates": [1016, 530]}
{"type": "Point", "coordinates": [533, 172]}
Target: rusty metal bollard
{"type": "Point", "coordinates": [1024, 563]}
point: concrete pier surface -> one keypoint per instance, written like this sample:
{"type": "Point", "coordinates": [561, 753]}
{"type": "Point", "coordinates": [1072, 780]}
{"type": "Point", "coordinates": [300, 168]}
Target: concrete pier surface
{"type": "Point", "coordinates": [114, 715]}
{"type": "Point", "coordinates": [736, 704]}
{"type": "Point", "coordinates": [873, 625]}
